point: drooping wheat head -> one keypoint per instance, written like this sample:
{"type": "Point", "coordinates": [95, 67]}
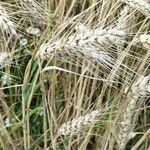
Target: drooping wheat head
{"type": "Point", "coordinates": [91, 44]}
{"type": "Point", "coordinates": [139, 89]}
{"type": "Point", "coordinates": [75, 125]}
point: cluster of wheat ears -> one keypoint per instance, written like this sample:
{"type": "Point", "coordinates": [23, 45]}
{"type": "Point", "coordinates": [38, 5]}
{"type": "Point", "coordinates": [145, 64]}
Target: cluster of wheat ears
{"type": "Point", "coordinates": [75, 75]}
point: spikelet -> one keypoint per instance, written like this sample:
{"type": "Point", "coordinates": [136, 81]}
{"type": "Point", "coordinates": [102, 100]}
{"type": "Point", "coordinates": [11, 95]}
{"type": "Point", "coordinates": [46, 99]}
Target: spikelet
{"type": "Point", "coordinates": [75, 125]}
{"type": "Point", "coordinates": [140, 5]}
{"type": "Point", "coordinates": [3, 58]}
{"type": "Point", "coordinates": [139, 89]}
{"type": "Point", "coordinates": [5, 22]}
{"type": "Point", "coordinates": [145, 40]}
{"type": "Point", "coordinates": [81, 28]}
{"type": "Point", "coordinates": [30, 2]}
{"type": "Point", "coordinates": [123, 19]}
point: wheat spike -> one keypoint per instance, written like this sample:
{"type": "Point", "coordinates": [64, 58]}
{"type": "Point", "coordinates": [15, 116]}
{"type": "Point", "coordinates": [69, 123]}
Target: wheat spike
{"type": "Point", "coordinates": [75, 125]}
{"type": "Point", "coordinates": [89, 44]}
{"type": "Point", "coordinates": [140, 5]}
{"type": "Point", "coordinates": [97, 38]}
{"type": "Point", "coordinates": [139, 89]}
{"type": "Point", "coordinates": [5, 22]}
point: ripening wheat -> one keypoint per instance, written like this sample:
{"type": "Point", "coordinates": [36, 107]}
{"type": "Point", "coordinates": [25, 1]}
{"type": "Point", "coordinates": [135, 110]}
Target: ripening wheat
{"type": "Point", "coordinates": [75, 125]}
{"type": "Point", "coordinates": [62, 62]}
{"type": "Point", "coordinates": [139, 89]}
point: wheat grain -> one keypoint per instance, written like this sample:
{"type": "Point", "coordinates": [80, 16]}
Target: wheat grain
{"type": "Point", "coordinates": [140, 5]}
{"type": "Point", "coordinates": [75, 125]}
{"type": "Point", "coordinates": [139, 89]}
{"type": "Point", "coordinates": [5, 22]}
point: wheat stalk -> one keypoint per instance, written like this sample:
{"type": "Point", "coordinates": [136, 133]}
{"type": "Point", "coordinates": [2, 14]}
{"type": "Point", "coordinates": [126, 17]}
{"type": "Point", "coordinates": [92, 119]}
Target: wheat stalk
{"type": "Point", "coordinates": [140, 5]}
{"type": "Point", "coordinates": [75, 125]}
{"type": "Point", "coordinates": [139, 89]}
{"type": "Point", "coordinates": [5, 22]}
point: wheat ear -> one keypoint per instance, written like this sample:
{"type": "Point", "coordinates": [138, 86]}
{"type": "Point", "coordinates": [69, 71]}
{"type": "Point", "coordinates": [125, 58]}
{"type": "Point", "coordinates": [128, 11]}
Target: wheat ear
{"type": "Point", "coordinates": [75, 125]}
{"type": "Point", "coordinates": [5, 22]}
{"type": "Point", "coordinates": [139, 89]}
{"type": "Point", "coordinates": [89, 44]}
{"type": "Point", "coordinates": [140, 5]}
{"type": "Point", "coordinates": [100, 38]}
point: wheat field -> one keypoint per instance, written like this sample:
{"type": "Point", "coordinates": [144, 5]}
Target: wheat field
{"type": "Point", "coordinates": [75, 75]}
